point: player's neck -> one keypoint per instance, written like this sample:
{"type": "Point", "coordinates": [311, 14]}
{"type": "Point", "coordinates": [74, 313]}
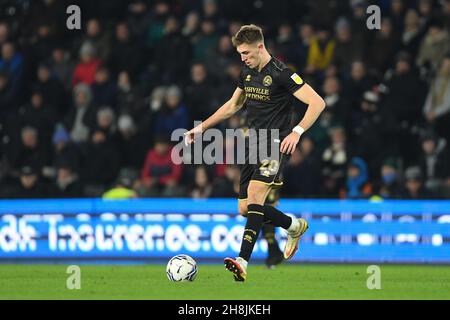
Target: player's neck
{"type": "Point", "coordinates": [265, 60]}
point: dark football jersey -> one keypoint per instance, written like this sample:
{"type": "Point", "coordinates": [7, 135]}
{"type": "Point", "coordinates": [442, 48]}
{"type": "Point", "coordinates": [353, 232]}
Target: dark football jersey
{"type": "Point", "coordinates": [269, 96]}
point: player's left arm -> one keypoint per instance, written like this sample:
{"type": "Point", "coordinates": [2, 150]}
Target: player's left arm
{"type": "Point", "coordinates": [316, 105]}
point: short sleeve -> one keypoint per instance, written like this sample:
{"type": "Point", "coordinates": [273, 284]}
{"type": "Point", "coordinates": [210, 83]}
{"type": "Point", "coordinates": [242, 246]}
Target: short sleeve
{"type": "Point", "coordinates": [240, 82]}
{"type": "Point", "coordinates": [291, 80]}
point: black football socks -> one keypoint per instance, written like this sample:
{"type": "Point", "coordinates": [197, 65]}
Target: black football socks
{"type": "Point", "coordinates": [255, 219]}
{"type": "Point", "coordinates": [276, 217]}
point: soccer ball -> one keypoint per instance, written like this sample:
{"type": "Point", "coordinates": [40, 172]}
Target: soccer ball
{"type": "Point", "coordinates": [181, 268]}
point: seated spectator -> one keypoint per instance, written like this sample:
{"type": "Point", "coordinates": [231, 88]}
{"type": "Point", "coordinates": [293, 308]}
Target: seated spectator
{"type": "Point", "coordinates": [8, 97]}
{"type": "Point", "coordinates": [321, 51]}
{"type": "Point", "coordinates": [84, 71]}
{"type": "Point", "coordinates": [383, 47]}
{"type": "Point", "coordinates": [122, 189]}
{"type": "Point", "coordinates": [106, 121]}
{"type": "Point", "coordinates": [101, 163]}
{"type": "Point", "coordinates": [347, 48]}
{"type": "Point", "coordinates": [388, 187]}
{"type": "Point", "coordinates": [29, 185]}
{"type": "Point", "coordinates": [30, 151]}
{"type": "Point", "coordinates": [207, 40]}
{"type": "Point", "coordinates": [198, 93]}
{"type": "Point", "coordinates": [65, 152]}
{"type": "Point", "coordinates": [97, 37]}
{"type": "Point", "coordinates": [131, 143]}
{"type": "Point", "coordinates": [173, 114]}
{"type": "Point", "coordinates": [11, 62]}
{"type": "Point", "coordinates": [126, 54]}
{"type": "Point", "coordinates": [434, 161]}
{"type": "Point", "coordinates": [104, 90]}
{"type": "Point", "coordinates": [412, 35]}
{"type": "Point", "coordinates": [357, 185]}
{"type": "Point", "coordinates": [437, 104]}
{"type": "Point", "coordinates": [434, 46]}
{"type": "Point", "coordinates": [334, 162]}
{"type": "Point", "coordinates": [62, 66]}
{"type": "Point", "coordinates": [52, 90]}
{"type": "Point", "coordinates": [39, 115]}
{"type": "Point", "coordinates": [302, 172]}
{"type": "Point", "coordinates": [228, 185]}
{"type": "Point", "coordinates": [81, 117]}
{"type": "Point", "coordinates": [68, 184]}
{"type": "Point", "coordinates": [413, 188]}
{"type": "Point", "coordinates": [160, 176]}
{"type": "Point", "coordinates": [202, 186]}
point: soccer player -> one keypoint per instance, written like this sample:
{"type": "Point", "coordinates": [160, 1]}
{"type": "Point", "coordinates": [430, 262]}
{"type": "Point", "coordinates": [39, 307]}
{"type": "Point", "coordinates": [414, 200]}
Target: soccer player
{"type": "Point", "coordinates": [267, 86]}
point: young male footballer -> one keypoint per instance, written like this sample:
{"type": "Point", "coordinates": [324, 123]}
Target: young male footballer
{"type": "Point", "coordinates": [268, 87]}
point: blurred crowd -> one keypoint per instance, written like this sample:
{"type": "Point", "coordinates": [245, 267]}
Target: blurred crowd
{"type": "Point", "coordinates": [89, 113]}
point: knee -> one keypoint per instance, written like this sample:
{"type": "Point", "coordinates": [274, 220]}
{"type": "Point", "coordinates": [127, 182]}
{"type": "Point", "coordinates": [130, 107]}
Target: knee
{"type": "Point", "coordinates": [242, 207]}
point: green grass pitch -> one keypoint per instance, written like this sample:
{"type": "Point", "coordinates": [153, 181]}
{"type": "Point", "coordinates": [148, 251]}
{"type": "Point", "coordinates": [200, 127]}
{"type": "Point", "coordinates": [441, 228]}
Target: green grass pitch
{"type": "Point", "coordinates": [288, 281]}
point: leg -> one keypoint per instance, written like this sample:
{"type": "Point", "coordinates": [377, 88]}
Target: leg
{"type": "Point", "coordinates": [274, 254]}
{"type": "Point", "coordinates": [257, 193]}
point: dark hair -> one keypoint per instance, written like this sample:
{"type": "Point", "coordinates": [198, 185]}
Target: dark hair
{"type": "Point", "coordinates": [248, 34]}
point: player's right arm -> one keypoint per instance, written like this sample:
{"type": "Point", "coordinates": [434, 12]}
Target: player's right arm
{"type": "Point", "coordinates": [224, 112]}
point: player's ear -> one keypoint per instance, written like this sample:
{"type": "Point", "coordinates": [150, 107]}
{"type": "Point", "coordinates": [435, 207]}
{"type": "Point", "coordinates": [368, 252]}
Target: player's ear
{"type": "Point", "coordinates": [260, 47]}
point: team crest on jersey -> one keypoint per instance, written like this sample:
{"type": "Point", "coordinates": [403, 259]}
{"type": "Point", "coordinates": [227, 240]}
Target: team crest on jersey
{"type": "Point", "coordinates": [297, 78]}
{"type": "Point", "coordinates": [267, 81]}
{"type": "Point", "coordinates": [248, 78]}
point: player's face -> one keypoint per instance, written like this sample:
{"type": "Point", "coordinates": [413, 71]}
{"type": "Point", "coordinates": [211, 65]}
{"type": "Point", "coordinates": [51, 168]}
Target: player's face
{"type": "Point", "coordinates": [250, 54]}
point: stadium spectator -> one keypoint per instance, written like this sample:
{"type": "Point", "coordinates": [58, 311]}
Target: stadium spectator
{"type": "Point", "coordinates": [335, 159]}
{"type": "Point", "coordinates": [101, 163]}
{"type": "Point", "coordinates": [97, 37]}
{"type": "Point", "coordinates": [202, 187]}
{"type": "Point", "coordinates": [227, 186]}
{"type": "Point", "coordinates": [122, 189]}
{"type": "Point", "coordinates": [84, 71]}
{"type": "Point", "coordinates": [357, 186]}
{"type": "Point", "coordinates": [104, 90]}
{"type": "Point", "coordinates": [302, 173]}
{"type": "Point", "coordinates": [80, 118]}
{"type": "Point", "coordinates": [437, 104]}
{"type": "Point", "coordinates": [405, 97]}
{"type": "Point", "coordinates": [412, 34]}
{"type": "Point", "coordinates": [9, 98]}
{"type": "Point", "coordinates": [30, 151]}
{"type": "Point", "coordinates": [433, 161]}
{"type": "Point", "coordinates": [68, 184]}
{"type": "Point", "coordinates": [131, 143]}
{"type": "Point", "coordinates": [388, 186]}
{"type": "Point", "coordinates": [160, 176]}
{"type": "Point", "coordinates": [347, 48]}
{"type": "Point", "coordinates": [207, 40]}
{"type": "Point", "coordinates": [173, 54]}
{"type": "Point", "coordinates": [198, 93]}
{"type": "Point", "coordinates": [126, 54]}
{"type": "Point", "coordinates": [53, 91]}
{"type": "Point", "coordinates": [138, 19]}
{"type": "Point", "coordinates": [11, 61]}
{"type": "Point", "coordinates": [62, 66]}
{"type": "Point", "coordinates": [65, 152]}
{"type": "Point", "coordinates": [321, 50]}
{"type": "Point", "coordinates": [413, 187]}
{"type": "Point", "coordinates": [434, 46]}
{"type": "Point", "coordinates": [173, 114]}
{"type": "Point", "coordinates": [29, 185]}
{"type": "Point", "coordinates": [383, 47]}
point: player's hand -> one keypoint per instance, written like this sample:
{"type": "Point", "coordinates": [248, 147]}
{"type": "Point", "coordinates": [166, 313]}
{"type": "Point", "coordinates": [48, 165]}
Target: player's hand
{"type": "Point", "coordinates": [290, 143]}
{"type": "Point", "coordinates": [189, 136]}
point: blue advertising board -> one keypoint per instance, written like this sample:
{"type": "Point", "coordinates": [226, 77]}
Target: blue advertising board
{"type": "Point", "coordinates": [148, 230]}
